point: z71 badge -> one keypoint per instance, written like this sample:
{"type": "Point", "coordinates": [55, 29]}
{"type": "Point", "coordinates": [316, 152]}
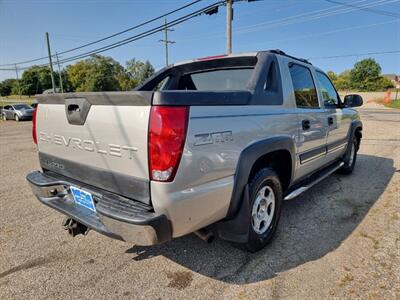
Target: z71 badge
{"type": "Point", "coordinates": [214, 137]}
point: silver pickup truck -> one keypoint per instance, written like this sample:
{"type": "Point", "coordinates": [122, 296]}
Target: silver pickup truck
{"type": "Point", "coordinates": [211, 146]}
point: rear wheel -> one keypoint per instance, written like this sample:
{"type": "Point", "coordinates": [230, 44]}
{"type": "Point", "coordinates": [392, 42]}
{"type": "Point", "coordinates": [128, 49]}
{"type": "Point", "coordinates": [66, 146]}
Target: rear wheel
{"type": "Point", "coordinates": [16, 118]}
{"type": "Point", "coordinates": [349, 158]}
{"type": "Point", "coordinates": [4, 117]}
{"type": "Point", "coordinates": [265, 196]}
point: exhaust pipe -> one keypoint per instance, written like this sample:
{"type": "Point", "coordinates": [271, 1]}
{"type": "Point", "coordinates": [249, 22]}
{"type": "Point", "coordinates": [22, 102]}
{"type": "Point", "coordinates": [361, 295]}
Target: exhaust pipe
{"type": "Point", "coordinates": [74, 228]}
{"type": "Point", "coordinates": [205, 235]}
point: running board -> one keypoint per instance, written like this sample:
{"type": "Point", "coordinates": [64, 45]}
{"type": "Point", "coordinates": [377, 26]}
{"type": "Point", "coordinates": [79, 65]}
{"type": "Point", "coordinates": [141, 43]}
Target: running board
{"type": "Point", "coordinates": [320, 176]}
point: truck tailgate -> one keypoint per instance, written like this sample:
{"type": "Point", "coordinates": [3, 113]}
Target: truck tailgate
{"type": "Point", "coordinates": [99, 139]}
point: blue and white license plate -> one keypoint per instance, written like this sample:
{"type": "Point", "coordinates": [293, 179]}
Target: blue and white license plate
{"type": "Point", "coordinates": [83, 198]}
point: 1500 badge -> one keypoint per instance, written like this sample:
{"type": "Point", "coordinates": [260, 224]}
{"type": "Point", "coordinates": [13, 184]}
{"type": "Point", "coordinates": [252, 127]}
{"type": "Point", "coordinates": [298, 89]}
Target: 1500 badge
{"type": "Point", "coordinates": [213, 137]}
{"type": "Point", "coordinates": [89, 145]}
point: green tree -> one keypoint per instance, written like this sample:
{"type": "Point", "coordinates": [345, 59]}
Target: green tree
{"type": "Point", "coordinates": [65, 81]}
{"type": "Point", "coordinates": [332, 76]}
{"type": "Point", "coordinates": [6, 86]}
{"type": "Point", "coordinates": [343, 81]}
{"type": "Point", "coordinates": [365, 75]}
{"type": "Point", "coordinates": [97, 73]}
{"type": "Point", "coordinates": [125, 82]}
{"type": "Point", "coordinates": [16, 87]}
{"type": "Point", "coordinates": [37, 79]}
{"type": "Point", "coordinates": [77, 74]}
{"type": "Point", "coordinates": [139, 71]}
{"type": "Point", "coordinates": [383, 84]}
{"type": "Point", "coordinates": [31, 80]}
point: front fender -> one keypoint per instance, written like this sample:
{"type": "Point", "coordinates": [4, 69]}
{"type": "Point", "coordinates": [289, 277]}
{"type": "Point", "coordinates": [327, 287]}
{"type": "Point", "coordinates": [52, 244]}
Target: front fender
{"type": "Point", "coordinates": [355, 125]}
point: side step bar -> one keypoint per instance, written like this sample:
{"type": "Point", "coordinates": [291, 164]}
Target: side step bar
{"type": "Point", "coordinates": [314, 179]}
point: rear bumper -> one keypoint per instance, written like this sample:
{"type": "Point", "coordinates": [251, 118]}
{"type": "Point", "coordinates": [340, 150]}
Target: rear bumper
{"type": "Point", "coordinates": [115, 216]}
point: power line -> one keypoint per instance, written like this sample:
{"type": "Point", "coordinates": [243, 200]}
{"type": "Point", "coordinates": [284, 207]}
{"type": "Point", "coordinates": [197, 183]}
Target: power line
{"type": "Point", "coordinates": [315, 14]}
{"type": "Point", "coordinates": [355, 54]}
{"type": "Point", "coordinates": [110, 36]}
{"type": "Point", "coordinates": [303, 17]}
{"type": "Point", "coordinates": [311, 35]}
{"type": "Point", "coordinates": [308, 17]}
{"type": "Point", "coordinates": [376, 11]}
{"type": "Point", "coordinates": [275, 23]}
{"type": "Point", "coordinates": [137, 36]}
{"type": "Point", "coordinates": [143, 34]}
{"type": "Point", "coordinates": [299, 16]}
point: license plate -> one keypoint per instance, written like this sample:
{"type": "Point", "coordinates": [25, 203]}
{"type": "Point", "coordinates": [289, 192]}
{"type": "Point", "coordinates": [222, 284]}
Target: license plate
{"type": "Point", "coordinates": [83, 198]}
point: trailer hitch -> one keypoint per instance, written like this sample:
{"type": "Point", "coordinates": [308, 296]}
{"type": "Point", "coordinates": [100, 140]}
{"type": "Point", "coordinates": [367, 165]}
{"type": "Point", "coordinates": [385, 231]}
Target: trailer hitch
{"type": "Point", "coordinates": [74, 228]}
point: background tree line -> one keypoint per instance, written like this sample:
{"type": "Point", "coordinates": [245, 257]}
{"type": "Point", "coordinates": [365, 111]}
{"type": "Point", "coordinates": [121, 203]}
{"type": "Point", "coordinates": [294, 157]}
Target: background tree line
{"type": "Point", "coordinates": [100, 73]}
{"type": "Point", "coordinates": [365, 76]}
{"type": "Point", "coordinates": [97, 73]}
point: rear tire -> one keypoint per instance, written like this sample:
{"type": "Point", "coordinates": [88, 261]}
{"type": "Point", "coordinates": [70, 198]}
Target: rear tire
{"type": "Point", "coordinates": [4, 117]}
{"type": "Point", "coordinates": [265, 196]}
{"type": "Point", "coordinates": [16, 118]}
{"type": "Point", "coordinates": [349, 158]}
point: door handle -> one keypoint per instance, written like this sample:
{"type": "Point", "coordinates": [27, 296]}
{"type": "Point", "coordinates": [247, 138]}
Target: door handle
{"type": "Point", "coordinates": [330, 121]}
{"type": "Point", "coordinates": [73, 108]}
{"type": "Point", "coordinates": [306, 124]}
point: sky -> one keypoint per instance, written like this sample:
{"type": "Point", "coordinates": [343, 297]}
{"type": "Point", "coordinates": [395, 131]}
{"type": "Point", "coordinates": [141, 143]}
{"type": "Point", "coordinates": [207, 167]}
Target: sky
{"type": "Point", "coordinates": [313, 29]}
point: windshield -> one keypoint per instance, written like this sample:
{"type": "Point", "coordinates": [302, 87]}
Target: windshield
{"type": "Point", "coordinates": [21, 106]}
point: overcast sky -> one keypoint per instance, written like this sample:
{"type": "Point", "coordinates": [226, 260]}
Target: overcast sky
{"type": "Point", "coordinates": [307, 28]}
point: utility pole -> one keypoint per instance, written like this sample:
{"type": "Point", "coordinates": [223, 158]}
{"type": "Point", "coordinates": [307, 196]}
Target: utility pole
{"type": "Point", "coordinates": [166, 41]}
{"type": "Point", "coordinates": [19, 87]}
{"type": "Point", "coordinates": [229, 17]}
{"type": "Point", "coordinates": [59, 73]}
{"type": "Point", "coordinates": [50, 62]}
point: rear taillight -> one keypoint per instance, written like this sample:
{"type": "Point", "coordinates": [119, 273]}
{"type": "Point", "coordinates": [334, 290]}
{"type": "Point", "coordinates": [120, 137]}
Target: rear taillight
{"type": "Point", "coordinates": [34, 124]}
{"type": "Point", "coordinates": [167, 134]}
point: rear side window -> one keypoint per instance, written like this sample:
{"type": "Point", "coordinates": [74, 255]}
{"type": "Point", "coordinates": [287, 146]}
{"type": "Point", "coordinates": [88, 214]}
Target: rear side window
{"type": "Point", "coordinates": [272, 82]}
{"type": "Point", "coordinates": [162, 84]}
{"type": "Point", "coordinates": [216, 80]}
{"type": "Point", "coordinates": [304, 87]}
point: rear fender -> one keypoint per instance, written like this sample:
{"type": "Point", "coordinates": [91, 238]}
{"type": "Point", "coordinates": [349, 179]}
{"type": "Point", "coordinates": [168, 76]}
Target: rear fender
{"type": "Point", "coordinates": [234, 227]}
{"type": "Point", "coordinates": [247, 159]}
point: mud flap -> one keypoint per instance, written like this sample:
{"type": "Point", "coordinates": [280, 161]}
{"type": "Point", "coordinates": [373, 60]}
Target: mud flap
{"type": "Point", "coordinates": [352, 134]}
{"type": "Point", "coordinates": [237, 229]}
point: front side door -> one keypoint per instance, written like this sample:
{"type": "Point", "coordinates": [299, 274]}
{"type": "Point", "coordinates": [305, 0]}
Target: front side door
{"type": "Point", "coordinates": [311, 142]}
{"type": "Point", "coordinates": [338, 122]}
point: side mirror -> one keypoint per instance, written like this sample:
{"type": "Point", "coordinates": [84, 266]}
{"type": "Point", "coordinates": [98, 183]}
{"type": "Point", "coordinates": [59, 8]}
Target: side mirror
{"type": "Point", "coordinates": [353, 100]}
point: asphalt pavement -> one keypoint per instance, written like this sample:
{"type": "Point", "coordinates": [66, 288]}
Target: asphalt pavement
{"type": "Point", "coordinates": [338, 240]}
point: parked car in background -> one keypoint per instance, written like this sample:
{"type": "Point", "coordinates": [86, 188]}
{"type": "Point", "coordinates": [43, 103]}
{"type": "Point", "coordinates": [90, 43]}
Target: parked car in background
{"type": "Point", "coordinates": [17, 112]}
{"type": "Point", "coordinates": [52, 91]}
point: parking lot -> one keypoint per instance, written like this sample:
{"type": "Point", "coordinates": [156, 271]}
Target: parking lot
{"type": "Point", "coordinates": [340, 239]}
